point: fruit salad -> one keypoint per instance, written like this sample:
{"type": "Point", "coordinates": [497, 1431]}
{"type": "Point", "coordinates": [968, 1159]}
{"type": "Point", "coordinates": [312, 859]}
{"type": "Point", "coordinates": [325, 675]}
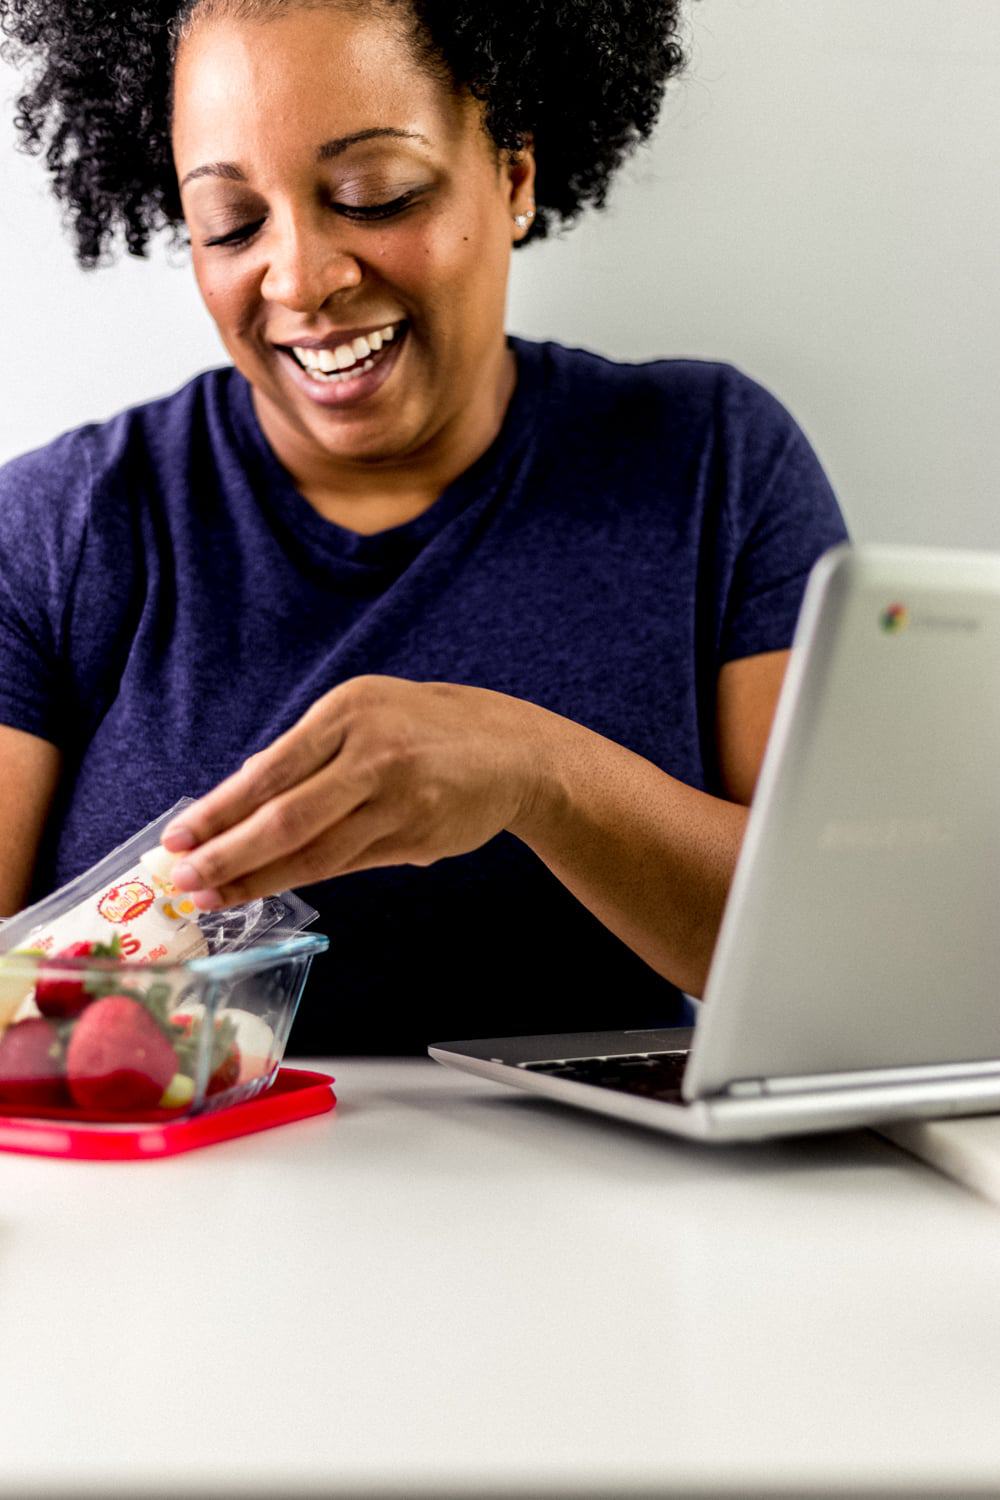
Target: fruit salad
{"type": "Point", "coordinates": [109, 1042]}
{"type": "Point", "coordinates": [120, 1000]}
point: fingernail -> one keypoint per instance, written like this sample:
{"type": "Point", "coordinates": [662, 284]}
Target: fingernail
{"type": "Point", "coordinates": [178, 839]}
{"type": "Point", "coordinates": [185, 877]}
{"type": "Point", "coordinates": [207, 900]}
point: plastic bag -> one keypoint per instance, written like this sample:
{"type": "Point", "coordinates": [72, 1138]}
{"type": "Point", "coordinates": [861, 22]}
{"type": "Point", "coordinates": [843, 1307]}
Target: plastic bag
{"type": "Point", "coordinates": [137, 1018]}
{"type": "Point", "coordinates": [128, 896]}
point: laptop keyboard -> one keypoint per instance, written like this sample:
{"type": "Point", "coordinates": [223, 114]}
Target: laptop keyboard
{"type": "Point", "coordinates": [652, 1075]}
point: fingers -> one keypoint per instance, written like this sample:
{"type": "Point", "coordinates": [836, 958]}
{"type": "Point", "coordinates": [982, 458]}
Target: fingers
{"type": "Point", "coordinates": [336, 851]}
{"type": "Point", "coordinates": [287, 826]}
{"type": "Point", "coordinates": [293, 757]}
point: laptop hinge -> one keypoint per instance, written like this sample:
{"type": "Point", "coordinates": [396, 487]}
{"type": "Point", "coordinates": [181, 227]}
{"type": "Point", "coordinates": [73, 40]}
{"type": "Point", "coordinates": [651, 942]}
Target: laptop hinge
{"type": "Point", "coordinates": [814, 1083]}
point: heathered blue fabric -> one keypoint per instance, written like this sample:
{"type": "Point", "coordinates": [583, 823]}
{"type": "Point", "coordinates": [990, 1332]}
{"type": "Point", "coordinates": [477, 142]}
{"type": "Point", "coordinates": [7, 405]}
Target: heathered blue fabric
{"type": "Point", "coordinates": [169, 603]}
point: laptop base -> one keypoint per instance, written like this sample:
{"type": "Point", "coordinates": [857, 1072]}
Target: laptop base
{"type": "Point", "coordinates": [824, 1105]}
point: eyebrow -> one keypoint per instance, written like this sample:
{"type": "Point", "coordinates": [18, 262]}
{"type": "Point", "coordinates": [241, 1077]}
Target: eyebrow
{"type": "Point", "coordinates": [329, 149]}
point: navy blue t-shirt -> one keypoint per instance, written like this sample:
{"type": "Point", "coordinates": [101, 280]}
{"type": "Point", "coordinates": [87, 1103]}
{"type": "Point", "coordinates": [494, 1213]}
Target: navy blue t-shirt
{"type": "Point", "coordinates": [170, 603]}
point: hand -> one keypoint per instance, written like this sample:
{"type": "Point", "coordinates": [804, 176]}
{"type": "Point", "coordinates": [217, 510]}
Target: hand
{"type": "Point", "coordinates": [380, 771]}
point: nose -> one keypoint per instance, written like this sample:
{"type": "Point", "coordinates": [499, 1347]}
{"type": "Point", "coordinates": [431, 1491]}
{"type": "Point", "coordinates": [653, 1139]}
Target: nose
{"type": "Point", "coordinates": [307, 266]}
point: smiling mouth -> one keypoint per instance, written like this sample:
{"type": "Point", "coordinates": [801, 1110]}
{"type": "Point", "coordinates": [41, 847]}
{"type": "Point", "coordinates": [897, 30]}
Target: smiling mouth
{"type": "Point", "coordinates": [347, 361]}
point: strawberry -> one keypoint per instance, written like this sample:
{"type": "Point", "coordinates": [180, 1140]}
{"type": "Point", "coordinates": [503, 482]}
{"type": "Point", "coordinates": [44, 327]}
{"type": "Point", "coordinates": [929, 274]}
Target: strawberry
{"type": "Point", "coordinates": [227, 1074]}
{"type": "Point", "coordinates": [61, 998]}
{"type": "Point", "coordinates": [118, 1057]}
{"type": "Point", "coordinates": [31, 1067]}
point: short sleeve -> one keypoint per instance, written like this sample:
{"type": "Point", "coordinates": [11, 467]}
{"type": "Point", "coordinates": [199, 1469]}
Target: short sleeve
{"type": "Point", "coordinates": [782, 515]}
{"type": "Point", "coordinates": [44, 499]}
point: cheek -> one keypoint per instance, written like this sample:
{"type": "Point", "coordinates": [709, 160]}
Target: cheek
{"type": "Point", "coordinates": [478, 268]}
{"type": "Point", "coordinates": [226, 291]}
{"type": "Point", "coordinates": [458, 264]}
{"type": "Point", "coordinates": [481, 252]}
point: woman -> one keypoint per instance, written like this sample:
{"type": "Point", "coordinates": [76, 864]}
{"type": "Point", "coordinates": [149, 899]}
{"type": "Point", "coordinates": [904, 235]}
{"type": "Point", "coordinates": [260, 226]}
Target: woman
{"type": "Point", "coordinates": [474, 641]}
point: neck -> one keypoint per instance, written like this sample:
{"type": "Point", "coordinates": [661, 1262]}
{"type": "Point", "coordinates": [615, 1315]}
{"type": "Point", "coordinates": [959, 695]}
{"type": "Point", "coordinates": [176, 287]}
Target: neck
{"type": "Point", "coordinates": [372, 496]}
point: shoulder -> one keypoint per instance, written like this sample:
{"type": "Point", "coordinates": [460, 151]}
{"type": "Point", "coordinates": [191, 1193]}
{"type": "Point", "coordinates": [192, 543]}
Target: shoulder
{"type": "Point", "coordinates": [707, 458]}
{"type": "Point", "coordinates": [45, 499]}
{"type": "Point", "coordinates": [703, 380]}
{"type": "Point", "coordinates": [699, 398]}
{"type": "Point", "coordinates": [73, 503]}
{"type": "Point", "coordinates": [90, 456]}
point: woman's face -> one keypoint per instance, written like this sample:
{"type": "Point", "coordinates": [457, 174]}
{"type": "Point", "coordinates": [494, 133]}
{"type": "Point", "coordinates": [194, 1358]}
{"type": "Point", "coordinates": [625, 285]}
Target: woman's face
{"type": "Point", "coordinates": [345, 210]}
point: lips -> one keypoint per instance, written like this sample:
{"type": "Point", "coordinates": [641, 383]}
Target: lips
{"type": "Point", "coordinates": [349, 387]}
{"type": "Point", "coordinates": [339, 336]}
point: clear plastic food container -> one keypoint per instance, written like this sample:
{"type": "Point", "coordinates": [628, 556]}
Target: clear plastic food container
{"type": "Point", "coordinates": [104, 1040]}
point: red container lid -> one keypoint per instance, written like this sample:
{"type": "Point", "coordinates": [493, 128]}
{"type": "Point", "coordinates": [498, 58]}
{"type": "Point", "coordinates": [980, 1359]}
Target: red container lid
{"type": "Point", "coordinates": [294, 1095]}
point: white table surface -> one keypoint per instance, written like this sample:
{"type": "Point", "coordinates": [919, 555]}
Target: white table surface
{"type": "Point", "coordinates": [445, 1288]}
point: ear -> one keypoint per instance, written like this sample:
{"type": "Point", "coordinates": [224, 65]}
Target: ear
{"type": "Point", "coordinates": [518, 168]}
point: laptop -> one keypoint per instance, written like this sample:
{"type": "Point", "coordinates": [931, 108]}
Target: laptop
{"type": "Point", "coordinates": [856, 975]}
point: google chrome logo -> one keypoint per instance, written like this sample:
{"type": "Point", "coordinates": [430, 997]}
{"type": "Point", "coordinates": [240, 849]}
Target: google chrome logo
{"type": "Point", "coordinates": [895, 618]}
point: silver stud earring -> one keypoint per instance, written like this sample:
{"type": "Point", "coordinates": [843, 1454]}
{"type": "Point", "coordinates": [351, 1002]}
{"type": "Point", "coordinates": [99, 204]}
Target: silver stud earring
{"type": "Point", "coordinates": [523, 220]}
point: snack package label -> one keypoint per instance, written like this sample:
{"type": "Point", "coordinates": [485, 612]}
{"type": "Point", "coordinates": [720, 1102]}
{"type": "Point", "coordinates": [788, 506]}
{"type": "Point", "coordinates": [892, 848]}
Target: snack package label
{"type": "Point", "coordinates": [126, 902]}
{"type": "Point", "coordinates": [150, 929]}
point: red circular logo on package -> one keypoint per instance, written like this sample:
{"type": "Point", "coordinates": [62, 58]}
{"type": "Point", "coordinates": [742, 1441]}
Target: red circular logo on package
{"type": "Point", "coordinates": [123, 903]}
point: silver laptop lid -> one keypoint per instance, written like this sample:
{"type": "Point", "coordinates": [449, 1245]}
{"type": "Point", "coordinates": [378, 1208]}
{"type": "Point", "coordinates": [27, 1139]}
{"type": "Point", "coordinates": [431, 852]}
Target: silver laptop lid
{"type": "Point", "coordinates": [863, 924]}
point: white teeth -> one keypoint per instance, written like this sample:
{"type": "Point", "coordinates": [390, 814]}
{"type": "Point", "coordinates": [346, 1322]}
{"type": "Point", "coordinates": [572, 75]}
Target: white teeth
{"type": "Point", "coordinates": [336, 375]}
{"type": "Point", "coordinates": [311, 358]}
{"type": "Point", "coordinates": [331, 364]}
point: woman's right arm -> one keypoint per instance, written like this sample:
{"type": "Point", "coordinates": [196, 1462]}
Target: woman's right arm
{"type": "Point", "coordinates": [29, 776]}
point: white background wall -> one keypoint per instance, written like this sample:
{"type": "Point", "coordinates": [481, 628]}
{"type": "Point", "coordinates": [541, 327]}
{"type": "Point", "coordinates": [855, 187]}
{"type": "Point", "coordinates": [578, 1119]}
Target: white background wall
{"type": "Point", "coordinates": [820, 206]}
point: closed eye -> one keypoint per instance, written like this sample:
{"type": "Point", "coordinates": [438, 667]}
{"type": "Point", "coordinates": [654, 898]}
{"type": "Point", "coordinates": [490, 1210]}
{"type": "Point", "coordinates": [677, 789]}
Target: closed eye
{"type": "Point", "coordinates": [375, 210]}
{"type": "Point", "coordinates": [239, 236]}
{"type": "Point", "coordinates": [362, 213]}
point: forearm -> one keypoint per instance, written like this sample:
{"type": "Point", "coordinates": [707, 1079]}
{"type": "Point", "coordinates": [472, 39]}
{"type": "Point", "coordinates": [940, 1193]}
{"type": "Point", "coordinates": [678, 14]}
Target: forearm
{"type": "Point", "coordinates": [29, 776]}
{"type": "Point", "coordinates": [651, 857]}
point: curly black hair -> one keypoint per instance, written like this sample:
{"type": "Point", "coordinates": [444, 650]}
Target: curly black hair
{"type": "Point", "coordinates": [583, 79]}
